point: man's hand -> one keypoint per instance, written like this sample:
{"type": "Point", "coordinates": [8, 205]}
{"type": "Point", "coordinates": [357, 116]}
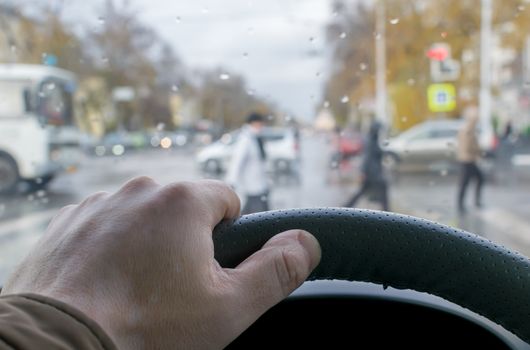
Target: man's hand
{"type": "Point", "coordinates": [141, 263]}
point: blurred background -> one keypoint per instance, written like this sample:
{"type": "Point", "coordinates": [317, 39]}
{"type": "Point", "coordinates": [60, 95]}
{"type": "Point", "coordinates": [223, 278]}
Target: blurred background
{"type": "Point", "coordinates": [93, 93]}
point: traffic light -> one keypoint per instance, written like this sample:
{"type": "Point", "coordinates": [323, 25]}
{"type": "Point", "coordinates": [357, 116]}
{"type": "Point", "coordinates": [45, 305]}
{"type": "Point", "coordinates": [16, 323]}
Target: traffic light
{"type": "Point", "coordinates": [443, 67]}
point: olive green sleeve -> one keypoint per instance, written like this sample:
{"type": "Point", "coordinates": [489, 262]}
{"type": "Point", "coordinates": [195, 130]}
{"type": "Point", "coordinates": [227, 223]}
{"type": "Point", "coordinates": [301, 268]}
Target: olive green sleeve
{"type": "Point", "coordinates": [30, 321]}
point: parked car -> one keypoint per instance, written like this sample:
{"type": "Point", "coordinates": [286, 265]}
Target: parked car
{"type": "Point", "coordinates": [281, 146]}
{"type": "Point", "coordinates": [431, 145]}
{"type": "Point", "coordinates": [118, 143]}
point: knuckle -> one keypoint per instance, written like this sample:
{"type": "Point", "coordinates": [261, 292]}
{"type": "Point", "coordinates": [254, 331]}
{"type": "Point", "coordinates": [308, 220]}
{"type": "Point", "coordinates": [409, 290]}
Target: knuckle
{"type": "Point", "coordinates": [63, 211]}
{"type": "Point", "coordinates": [139, 183]}
{"type": "Point", "coordinates": [94, 197]}
{"type": "Point", "coordinates": [178, 191]}
{"type": "Point", "coordinates": [66, 209]}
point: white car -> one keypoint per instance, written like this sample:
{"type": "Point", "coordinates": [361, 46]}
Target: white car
{"type": "Point", "coordinates": [431, 145]}
{"type": "Point", "coordinates": [281, 147]}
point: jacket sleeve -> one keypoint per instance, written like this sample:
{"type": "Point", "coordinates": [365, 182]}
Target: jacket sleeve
{"type": "Point", "coordinates": [30, 321]}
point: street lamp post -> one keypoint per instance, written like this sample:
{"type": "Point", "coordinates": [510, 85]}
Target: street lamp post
{"type": "Point", "coordinates": [380, 57]}
{"type": "Point", "coordinates": [485, 66]}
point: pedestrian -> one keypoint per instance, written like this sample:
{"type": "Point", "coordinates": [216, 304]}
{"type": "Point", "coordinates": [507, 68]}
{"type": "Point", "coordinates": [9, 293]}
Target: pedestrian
{"type": "Point", "coordinates": [135, 269]}
{"type": "Point", "coordinates": [468, 154]}
{"type": "Point", "coordinates": [247, 171]}
{"type": "Point", "coordinates": [373, 180]}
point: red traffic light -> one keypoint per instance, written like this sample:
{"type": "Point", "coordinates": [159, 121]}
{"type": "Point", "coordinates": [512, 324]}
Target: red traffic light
{"type": "Point", "coordinates": [438, 53]}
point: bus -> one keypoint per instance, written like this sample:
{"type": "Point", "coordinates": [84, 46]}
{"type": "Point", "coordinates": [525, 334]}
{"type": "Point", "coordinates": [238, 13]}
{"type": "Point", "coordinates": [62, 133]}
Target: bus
{"type": "Point", "coordinates": [38, 135]}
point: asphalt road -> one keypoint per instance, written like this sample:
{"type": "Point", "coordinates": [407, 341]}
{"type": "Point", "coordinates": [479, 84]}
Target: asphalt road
{"type": "Point", "coordinates": [505, 217]}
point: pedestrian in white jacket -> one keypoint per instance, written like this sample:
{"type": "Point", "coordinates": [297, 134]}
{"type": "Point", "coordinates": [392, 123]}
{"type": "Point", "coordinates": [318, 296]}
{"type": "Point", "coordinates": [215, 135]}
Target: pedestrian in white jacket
{"type": "Point", "coordinates": [247, 170]}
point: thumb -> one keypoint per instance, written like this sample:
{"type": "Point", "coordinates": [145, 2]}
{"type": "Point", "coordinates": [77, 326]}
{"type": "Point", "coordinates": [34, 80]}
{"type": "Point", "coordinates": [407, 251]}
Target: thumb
{"type": "Point", "coordinates": [272, 273]}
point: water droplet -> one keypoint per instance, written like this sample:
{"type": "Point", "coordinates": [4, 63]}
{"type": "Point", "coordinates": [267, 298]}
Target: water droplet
{"type": "Point", "coordinates": [104, 59]}
{"type": "Point", "coordinates": [345, 99]}
{"type": "Point", "coordinates": [101, 20]}
{"type": "Point", "coordinates": [263, 198]}
{"type": "Point", "coordinates": [13, 48]}
{"type": "Point", "coordinates": [174, 88]}
{"type": "Point", "coordinates": [394, 21]}
{"type": "Point", "coordinates": [50, 86]}
{"type": "Point", "coordinates": [100, 150]}
{"type": "Point", "coordinates": [245, 54]}
{"type": "Point", "coordinates": [520, 7]}
{"type": "Point", "coordinates": [334, 164]}
{"type": "Point", "coordinates": [386, 142]}
{"type": "Point", "coordinates": [377, 35]}
{"type": "Point", "coordinates": [59, 107]}
{"type": "Point", "coordinates": [38, 180]}
{"type": "Point", "coordinates": [317, 74]}
{"type": "Point", "coordinates": [41, 193]}
{"type": "Point", "coordinates": [31, 198]}
{"type": "Point", "coordinates": [443, 35]}
{"type": "Point", "coordinates": [411, 82]}
{"type": "Point", "coordinates": [224, 76]}
{"type": "Point", "coordinates": [363, 66]}
{"type": "Point", "coordinates": [205, 10]}
{"type": "Point", "coordinates": [404, 119]}
{"type": "Point", "coordinates": [342, 35]}
{"type": "Point", "coordinates": [160, 126]}
{"type": "Point", "coordinates": [178, 19]}
{"type": "Point", "coordinates": [270, 117]}
{"type": "Point", "coordinates": [250, 92]}
{"type": "Point", "coordinates": [432, 183]}
{"type": "Point", "coordinates": [335, 13]}
{"type": "Point", "coordinates": [311, 39]}
{"type": "Point", "coordinates": [444, 172]}
{"type": "Point", "coordinates": [326, 104]}
{"type": "Point", "coordinates": [250, 30]}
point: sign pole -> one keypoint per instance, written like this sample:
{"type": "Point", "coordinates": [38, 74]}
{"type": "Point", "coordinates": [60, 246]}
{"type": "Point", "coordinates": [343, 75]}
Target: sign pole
{"type": "Point", "coordinates": [380, 53]}
{"type": "Point", "coordinates": [485, 66]}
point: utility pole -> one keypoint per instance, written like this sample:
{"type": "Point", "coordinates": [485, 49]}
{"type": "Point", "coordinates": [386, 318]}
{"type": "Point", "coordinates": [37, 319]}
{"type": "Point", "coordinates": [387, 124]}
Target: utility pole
{"type": "Point", "coordinates": [380, 57]}
{"type": "Point", "coordinates": [485, 67]}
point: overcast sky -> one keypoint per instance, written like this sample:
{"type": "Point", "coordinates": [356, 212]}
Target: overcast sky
{"type": "Point", "coordinates": [268, 41]}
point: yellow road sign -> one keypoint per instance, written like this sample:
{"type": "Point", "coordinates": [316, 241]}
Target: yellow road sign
{"type": "Point", "coordinates": [442, 97]}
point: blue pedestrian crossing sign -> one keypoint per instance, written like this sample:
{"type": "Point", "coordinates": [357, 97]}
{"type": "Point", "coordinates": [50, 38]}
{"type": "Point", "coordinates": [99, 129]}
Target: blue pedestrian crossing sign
{"type": "Point", "coordinates": [442, 97]}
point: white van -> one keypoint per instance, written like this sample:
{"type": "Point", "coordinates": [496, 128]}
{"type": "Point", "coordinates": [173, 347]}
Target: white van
{"type": "Point", "coordinates": [38, 137]}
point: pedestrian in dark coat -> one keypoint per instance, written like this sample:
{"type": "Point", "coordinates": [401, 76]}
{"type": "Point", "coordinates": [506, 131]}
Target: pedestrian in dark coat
{"type": "Point", "coordinates": [373, 179]}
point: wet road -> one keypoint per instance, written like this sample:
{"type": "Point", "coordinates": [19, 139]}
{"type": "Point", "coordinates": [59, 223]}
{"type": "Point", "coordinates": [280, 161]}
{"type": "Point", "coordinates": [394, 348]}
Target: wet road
{"type": "Point", "coordinates": [505, 217]}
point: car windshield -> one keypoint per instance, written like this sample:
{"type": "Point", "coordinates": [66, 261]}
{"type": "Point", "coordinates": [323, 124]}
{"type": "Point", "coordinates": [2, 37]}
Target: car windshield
{"type": "Point", "coordinates": [314, 93]}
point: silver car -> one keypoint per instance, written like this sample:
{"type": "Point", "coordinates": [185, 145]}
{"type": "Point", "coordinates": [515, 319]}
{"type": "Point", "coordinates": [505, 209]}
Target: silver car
{"type": "Point", "coordinates": [430, 145]}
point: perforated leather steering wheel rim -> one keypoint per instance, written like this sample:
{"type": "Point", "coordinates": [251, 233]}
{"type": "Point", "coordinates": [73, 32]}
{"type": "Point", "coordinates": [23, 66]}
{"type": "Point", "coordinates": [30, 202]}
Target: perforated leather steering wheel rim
{"type": "Point", "coordinates": [400, 251]}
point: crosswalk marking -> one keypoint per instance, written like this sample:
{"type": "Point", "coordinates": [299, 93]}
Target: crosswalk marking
{"type": "Point", "coordinates": [507, 223]}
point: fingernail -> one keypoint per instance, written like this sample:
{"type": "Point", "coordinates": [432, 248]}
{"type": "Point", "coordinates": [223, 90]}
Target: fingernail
{"type": "Point", "coordinates": [311, 245]}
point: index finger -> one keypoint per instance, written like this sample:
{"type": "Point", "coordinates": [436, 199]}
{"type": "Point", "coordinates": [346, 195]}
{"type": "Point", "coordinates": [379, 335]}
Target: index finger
{"type": "Point", "coordinates": [212, 200]}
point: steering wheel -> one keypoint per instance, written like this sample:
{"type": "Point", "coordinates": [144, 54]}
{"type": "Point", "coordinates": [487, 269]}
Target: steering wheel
{"type": "Point", "coordinates": [400, 251]}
